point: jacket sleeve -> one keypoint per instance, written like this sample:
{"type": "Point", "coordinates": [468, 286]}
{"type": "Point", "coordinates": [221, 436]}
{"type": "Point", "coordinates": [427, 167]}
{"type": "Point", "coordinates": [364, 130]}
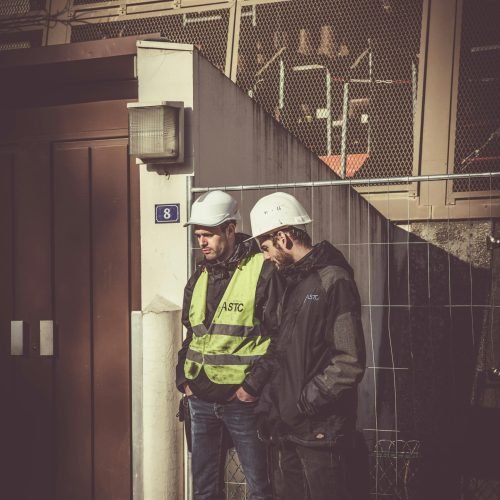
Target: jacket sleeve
{"type": "Point", "coordinates": [344, 337]}
{"type": "Point", "coordinates": [180, 378]}
{"type": "Point", "coordinates": [269, 293]}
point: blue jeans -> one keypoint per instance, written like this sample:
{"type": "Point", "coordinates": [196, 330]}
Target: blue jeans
{"type": "Point", "coordinates": [208, 421]}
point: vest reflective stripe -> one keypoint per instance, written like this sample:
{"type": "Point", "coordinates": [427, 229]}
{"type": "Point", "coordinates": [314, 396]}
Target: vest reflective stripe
{"type": "Point", "coordinates": [232, 330]}
{"type": "Point", "coordinates": [219, 360]}
{"type": "Point", "coordinates": [233, 341]}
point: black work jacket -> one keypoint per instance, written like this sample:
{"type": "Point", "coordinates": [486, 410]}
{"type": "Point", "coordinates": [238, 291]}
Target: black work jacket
{"type": "Point", "coordinates": [267, 296]}
{"type": "Point", "coordinates": [320, 353]}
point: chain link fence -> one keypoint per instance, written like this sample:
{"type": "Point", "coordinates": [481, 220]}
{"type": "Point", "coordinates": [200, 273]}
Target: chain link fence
{"type": "Point", "coordinates": [207, 30]}
{"type": "Point", "coordinates": [341, 76]}
{"type": "Point", "coordinates": [477, 145]}
{"type": "Point", "coordinates": [234, 479]}
{"type": "Point", "coordinates": [20, 7]}
{"type": "Point", "coordinates": [393, 472]}
{"type": "Point", "coordinates": [394, 469]}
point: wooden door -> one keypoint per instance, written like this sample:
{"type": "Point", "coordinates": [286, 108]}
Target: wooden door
{"type": "Point", "coordinates": [68, 253]}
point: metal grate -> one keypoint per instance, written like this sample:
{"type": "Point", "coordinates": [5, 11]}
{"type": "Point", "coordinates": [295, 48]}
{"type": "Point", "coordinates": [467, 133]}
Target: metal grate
{"type": "Point", "coordinates": [207, 30]}
{"type": "Point", "coordinates": [83, 2]}
{"type": "Point", "coordinates": [393, 471]}
{"type": "Point", "coordinates": [21, 40]}
{"type": "Point", "coordinates": [19, 7]}
{"type": "Point", "coordinates": [394, 468]}
{"type": "Point", "coordinates": [15, 45]}
{"type": "Point", "coordinates": [234, 479]}
{"type": "Point", "coordinates": [477, 144]}
{"type": "Point", "coordinates": [341, 76]}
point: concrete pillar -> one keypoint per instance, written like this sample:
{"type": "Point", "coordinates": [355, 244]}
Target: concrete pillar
{"type": "Point", "coordinates": [165, 73]}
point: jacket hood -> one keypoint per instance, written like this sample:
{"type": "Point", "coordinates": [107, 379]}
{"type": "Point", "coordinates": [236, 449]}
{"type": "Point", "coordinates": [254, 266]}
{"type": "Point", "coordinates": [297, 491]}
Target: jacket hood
{"type": "Point", "coordinates": [244, 247]}
{"type": "Point", "coordinates": [323, 254]}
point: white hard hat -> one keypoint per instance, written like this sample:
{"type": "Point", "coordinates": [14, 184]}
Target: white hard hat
{"type": "Point", "coordinates": [276, 211]}
{"type": "Point", "coordinates": [213, 209]}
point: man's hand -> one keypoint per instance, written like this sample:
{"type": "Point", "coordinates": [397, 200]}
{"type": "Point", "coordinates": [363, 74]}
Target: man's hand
{"type": "Point", "coordinates": [243, 396]}
{"type": "Point", "coordinates": [187, 390]}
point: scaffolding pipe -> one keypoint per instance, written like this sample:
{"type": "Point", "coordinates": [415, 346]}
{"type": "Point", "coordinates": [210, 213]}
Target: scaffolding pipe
{"type": "Point", "coordinates": [351, 182]}
{"type": "Point", "coordinates": [329, 113]}
{"type": "Point", "coordinates": [343, 145]}
{"type": "Point", "coordinates": [188, 479]}
{"type": "Point", "coordinates": [281, 104]}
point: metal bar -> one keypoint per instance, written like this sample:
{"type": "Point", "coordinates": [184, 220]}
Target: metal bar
{"type": "Point", "coordinates": [46, 338]}
{"type": "Point", "coordinates": [188, 479]}
{"type": "Point", "coordinates": [18, 341]}
{"type": "Point", "coordinates": [187, 20]}
{"type": "Point", "coordinates": [233, 41]}
{"type": "Point", "coordinates": [345, 117]}
{"type": "Point", "coordinates": [268, 63]}
{"type": "Point", "coordinates": [190, 257]}
{"type": "Point", "coordinates": [281, 104]}
{"type": "Point", "coordinates": [351, 182]}
{"type": "Point", "coordinates": [329, 118]}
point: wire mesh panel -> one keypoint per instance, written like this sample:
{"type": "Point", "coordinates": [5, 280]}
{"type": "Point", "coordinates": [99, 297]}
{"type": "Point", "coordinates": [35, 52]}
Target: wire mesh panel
{"type": "Point", "coordinates": [394, 469]}
{"type": "Point", "coordinates": [477, 146]}
{"type": "Point", "coordinates": [207, 30]}
{"type": "Point", "coordinates": [234, 479]}
{"type": "Point", "coordinates": [15, 45]}
{"type": "Point", "coordinates": [339, 75]}
{"type": "Point", "coordinates": [83, 2]}
{"type": "Point", "coordinates": [18, 7]}
{"type": "Point", "coordinates": [20, 39]}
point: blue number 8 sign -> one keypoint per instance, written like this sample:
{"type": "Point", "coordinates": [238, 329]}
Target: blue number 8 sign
{"type": "Point", "coordinates": [168, 213]}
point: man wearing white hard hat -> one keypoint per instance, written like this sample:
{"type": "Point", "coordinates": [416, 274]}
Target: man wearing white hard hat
{"type": "Point", "coordinates": [309, 405]}
{"type": "Point", "coordinates": [229, 312]}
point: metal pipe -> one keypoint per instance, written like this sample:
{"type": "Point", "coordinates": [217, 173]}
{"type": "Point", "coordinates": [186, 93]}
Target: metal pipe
{"type": "Point", "coordinates": [351, 182]}
{"type": "Point", "coordinates": [281, 104]}
{"type": "Point", "coordinates": [190, 258]}
{"type": "Point", "coordinates": [188, 479]}
{"type": "Point", "coordinates": [343, 146]}
{"type": "Point", "coordinates": [329, 113]}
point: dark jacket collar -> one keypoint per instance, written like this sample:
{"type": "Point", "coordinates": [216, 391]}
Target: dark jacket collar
{"type": "Point", "coordinates": [321, 255]}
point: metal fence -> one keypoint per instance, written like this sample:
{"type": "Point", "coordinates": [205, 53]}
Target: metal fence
{"type": "Point", "coordinates": [341, 76]}
{"type": "Point", "coordinates": [208, 30]}
{"type": "Point", "coordinates": [424, 294]}
{"type": "Point", "coordinates": [20, 7]}
{"type": "Point", "coordinates": [477, 144]}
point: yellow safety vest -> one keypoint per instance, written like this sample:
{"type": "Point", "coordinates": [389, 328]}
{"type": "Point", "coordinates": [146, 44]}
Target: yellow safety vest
{"type": "Point", "coordinates": [227, 348]}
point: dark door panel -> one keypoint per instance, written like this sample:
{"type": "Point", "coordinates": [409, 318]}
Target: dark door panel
{"type": "Point", "coordinates": [72, 313]}
{"type": "Point", "coordinates": [33, 375]}
{"type": "Point", "coordinates": [110, 315]}
{"type": "Point", "coordinates": [7, 420]}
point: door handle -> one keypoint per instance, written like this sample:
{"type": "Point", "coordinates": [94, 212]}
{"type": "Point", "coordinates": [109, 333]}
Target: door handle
{"type": "Point", "coordinates": [46, 338]}
{"type": "Point", "coordinates": [18, 338]}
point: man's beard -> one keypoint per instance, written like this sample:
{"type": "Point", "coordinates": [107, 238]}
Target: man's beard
{"type": "Point", "coordinates": [282, 259]}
